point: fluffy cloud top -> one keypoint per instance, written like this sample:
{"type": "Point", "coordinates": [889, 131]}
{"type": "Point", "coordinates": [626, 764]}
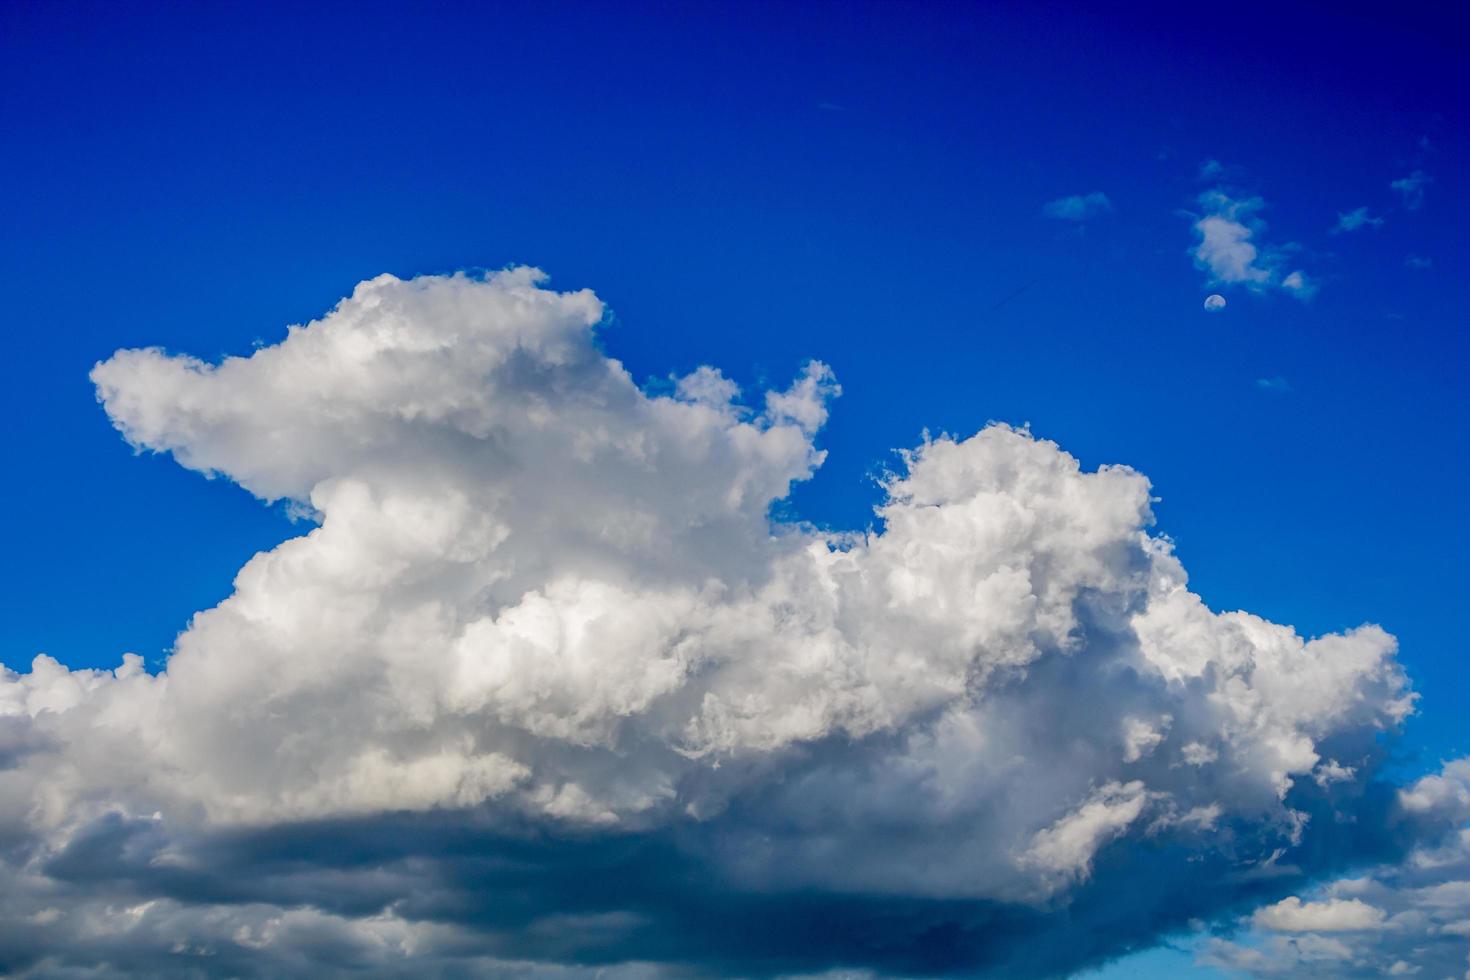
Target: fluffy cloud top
{"type": "Point", "coordinates": [544, 684]}
{"type": "Point", "coordinates": [1079, 207]}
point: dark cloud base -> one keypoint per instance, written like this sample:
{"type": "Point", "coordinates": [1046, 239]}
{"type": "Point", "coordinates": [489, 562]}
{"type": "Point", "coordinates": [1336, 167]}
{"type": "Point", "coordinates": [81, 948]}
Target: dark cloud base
{"type": "Point", "coordinates": [593, 900]}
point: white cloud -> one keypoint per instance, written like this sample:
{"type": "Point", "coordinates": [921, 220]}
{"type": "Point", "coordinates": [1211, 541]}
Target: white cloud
{"type": "Point", "coordinates": [1229, 249]}
{"type": "Point", "coordinates": [1197, 754]}
{"type": "Point", "coordinates": [1307, 954]}
{"type": "Point", "coordinates": [1446, 792]}
{"type": "Point", "coordinates": [1225, 248]}
{"type": "Point", "coordinates": [540, 599]}
{"type": "Point", "coordinates": [1331, 772]}
{"type": "Point", "coordinates": [1335, 915]}
{"type": "Point", "coordinates": [1067, 846]}
{"type": "Point", "coordinates": [1355, 219]}
{"type": "Point", "coordinates": [1079, 207]}
{"type": "Point", "coordinates": [1298, 284]}
{"type": "Point", "coordinates": [1411, 189]}
{"type": "Point", "coordinates": [1141, 737]}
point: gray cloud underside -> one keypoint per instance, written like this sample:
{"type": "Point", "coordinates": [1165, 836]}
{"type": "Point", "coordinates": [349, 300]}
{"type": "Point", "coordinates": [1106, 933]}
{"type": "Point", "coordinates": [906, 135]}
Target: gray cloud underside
{"type": "Point", "coordinates": [1409, 916]}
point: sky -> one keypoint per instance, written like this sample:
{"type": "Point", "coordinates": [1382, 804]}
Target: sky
{"type": "Point", "coordinates": [906, 222]}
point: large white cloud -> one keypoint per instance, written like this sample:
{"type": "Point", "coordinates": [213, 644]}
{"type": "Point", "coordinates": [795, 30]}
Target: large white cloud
{"type": "Point", "coordinates": [540, 600]}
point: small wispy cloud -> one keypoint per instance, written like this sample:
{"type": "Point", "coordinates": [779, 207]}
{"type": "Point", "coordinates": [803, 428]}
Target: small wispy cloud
{"type": "Point", "coordinates": [1229, 249]}
{"type": "Point", "coordinates": [1418, 262]}
{"type": "Point", "coordinates": [1299, 285]}
{"type": "Point", "coordinates": [1079, 207]}
{"type": "Point", "coordinates": [1225, 249]}
{"type": "Point", "coordinates": [1411, 189]}
{"type": "Point", "coordinates": [1355, 219]}
{"type": "Point", "coordinates": [1278, 383]}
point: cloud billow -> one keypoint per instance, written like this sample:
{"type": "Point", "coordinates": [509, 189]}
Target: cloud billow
{"type": "Point", "coordinates": [545, 689]}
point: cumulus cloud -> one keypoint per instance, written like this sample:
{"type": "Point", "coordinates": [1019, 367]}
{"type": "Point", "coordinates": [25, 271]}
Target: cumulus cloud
{"type": "Point", "coordinates": [544, 687]}
{"type": "Point", "coordinates": [1229, 249]}
{"type": "Point", "coordinates": [1411, 189]}
{"type": "Point", "coordinates": [1355, 219]}
{"type": "Point", "coordinates": [1078, 207]}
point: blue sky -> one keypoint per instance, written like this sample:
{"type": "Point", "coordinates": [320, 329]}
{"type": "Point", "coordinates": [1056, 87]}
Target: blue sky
{"type": "Point", "coordinates": [752, 187]}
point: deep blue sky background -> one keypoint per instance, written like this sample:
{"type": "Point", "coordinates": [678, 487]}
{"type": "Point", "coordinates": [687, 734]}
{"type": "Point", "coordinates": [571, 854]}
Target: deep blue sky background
{"type": "Point", "coordinates": [750, 187]}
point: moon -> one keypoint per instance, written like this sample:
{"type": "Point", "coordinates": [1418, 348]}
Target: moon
{"type": "Point", "coordinates": [1214, 303]}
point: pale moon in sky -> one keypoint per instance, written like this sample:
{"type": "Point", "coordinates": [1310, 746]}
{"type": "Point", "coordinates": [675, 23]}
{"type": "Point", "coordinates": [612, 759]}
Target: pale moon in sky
{"type": "Point", "coordinates": [1214, 303]}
